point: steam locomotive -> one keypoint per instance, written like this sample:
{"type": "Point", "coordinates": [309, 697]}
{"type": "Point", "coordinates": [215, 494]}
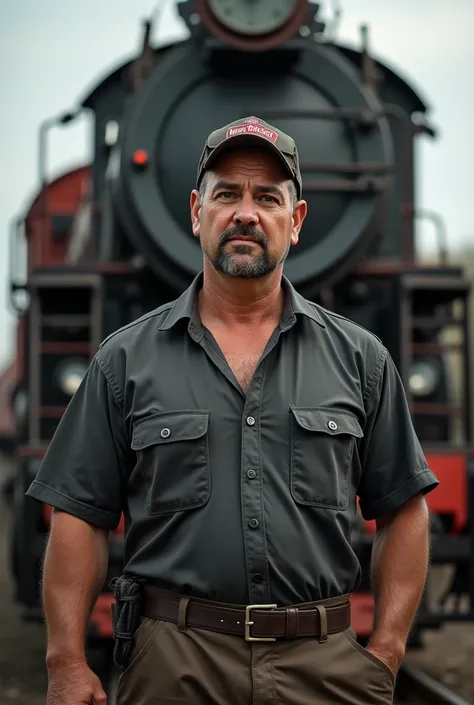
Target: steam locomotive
{"type": "Point", "coordinates": [111, 240]}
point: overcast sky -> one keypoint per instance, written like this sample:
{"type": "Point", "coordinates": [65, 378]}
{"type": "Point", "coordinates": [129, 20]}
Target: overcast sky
{"type": "Point", "coordinates": [53, 51]}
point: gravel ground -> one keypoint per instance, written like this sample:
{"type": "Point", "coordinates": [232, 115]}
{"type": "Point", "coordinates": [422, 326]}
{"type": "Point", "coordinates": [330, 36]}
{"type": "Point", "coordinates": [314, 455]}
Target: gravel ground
{"type": "Point", "coordinates": [22, 672]}
{"type": "Point", "coordinates": [448, 656]}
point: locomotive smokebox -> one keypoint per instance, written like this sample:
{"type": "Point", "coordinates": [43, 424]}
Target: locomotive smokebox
{"type": "Point", "coordinates": [250, 25]}
{"type": "Point", "coordinates": [343, 139]}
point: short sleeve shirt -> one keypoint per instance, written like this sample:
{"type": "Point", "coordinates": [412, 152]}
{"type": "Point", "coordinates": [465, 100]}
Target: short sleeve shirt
{"type": "Point", "coordinates": [237, 497]}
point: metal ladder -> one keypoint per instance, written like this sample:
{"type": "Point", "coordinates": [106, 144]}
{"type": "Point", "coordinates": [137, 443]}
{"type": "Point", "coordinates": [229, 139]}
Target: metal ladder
{"type": "Point", "coordinates": [429, 292]}
{"type": "Point", "coordinates": [46, 319]}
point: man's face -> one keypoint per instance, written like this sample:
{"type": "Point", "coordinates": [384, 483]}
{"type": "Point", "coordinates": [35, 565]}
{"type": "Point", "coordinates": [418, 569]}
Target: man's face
{"type": "Point", "coordinates": [246, 220]}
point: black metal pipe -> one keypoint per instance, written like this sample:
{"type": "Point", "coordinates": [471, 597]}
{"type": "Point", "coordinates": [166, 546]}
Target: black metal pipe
{"type": "Point", "coordinates": [416, 683]}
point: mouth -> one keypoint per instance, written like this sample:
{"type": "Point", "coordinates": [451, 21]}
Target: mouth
{"type": "Point", "coordinates": [243, 240]}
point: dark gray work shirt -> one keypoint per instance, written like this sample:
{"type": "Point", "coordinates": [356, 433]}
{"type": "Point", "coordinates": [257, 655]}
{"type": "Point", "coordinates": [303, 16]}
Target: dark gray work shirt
{"type": "Point", "coordinates": [244, 498]}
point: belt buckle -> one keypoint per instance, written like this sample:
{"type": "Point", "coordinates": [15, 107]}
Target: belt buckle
{"type": "Point", "coordinates": [249, 622]}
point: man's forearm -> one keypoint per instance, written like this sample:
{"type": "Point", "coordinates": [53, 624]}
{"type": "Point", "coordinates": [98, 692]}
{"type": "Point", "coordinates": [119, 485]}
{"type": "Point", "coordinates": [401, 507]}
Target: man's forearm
{"type": "Point", "coordinates": [399, 566]}
{"type": "Point", "coordinates": [74, 570]}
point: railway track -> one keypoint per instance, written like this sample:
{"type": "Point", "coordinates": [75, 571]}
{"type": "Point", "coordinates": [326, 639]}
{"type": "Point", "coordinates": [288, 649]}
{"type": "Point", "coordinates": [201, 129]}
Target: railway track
{"type": "Point", "coordinates": [415, 687]}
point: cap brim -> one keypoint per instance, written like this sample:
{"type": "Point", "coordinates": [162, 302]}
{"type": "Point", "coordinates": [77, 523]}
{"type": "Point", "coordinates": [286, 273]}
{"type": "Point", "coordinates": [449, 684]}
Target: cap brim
{"type": "Point", "coordinates": [243, 141]}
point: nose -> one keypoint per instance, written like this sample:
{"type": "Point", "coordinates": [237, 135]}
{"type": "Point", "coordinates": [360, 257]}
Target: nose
{"type": "Point", "coordinates": [246, 213]}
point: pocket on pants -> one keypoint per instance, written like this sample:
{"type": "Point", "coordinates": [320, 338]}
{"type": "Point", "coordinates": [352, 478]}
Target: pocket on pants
{"type": "Point", "coordinates": [369, 656]}
{"type": "Point", "coordinates": [142, 640]}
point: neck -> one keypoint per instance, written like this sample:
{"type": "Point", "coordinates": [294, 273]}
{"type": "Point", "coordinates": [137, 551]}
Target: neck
{"type": "Point", "coordinates": [241, 301]}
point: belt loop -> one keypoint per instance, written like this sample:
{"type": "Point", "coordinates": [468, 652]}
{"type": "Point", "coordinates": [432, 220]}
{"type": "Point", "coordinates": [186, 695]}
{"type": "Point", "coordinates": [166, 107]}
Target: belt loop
{"type": "Point", "coordinates": [183, 606]}
{"type": "Point", "coordinates": [323, 620]}
{"type": "Point", "coordinates": [291, 623]}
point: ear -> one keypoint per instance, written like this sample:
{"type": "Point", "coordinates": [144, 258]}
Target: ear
{"type": "Point", "coordinates": [299, 214]}
{"type": "Point", "coordinates": [195, 207]}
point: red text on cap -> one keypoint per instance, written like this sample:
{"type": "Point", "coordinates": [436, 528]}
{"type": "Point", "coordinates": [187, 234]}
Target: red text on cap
{"type": "Point", "coordinates": [252, 127]}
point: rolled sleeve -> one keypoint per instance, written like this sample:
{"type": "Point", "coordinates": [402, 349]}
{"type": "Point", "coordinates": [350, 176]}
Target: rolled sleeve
{"type": "Point", "coordinates": [394, 467]}
{"type": "Point", "coordinates": [83, 471]}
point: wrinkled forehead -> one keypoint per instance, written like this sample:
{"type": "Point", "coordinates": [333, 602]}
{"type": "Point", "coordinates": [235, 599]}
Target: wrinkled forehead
{"type": "Point", "coordinates": [241, 164]}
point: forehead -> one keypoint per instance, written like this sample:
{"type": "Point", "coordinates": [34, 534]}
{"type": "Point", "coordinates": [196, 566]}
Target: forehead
{"type": "Point", "coordinates": [247, 164]}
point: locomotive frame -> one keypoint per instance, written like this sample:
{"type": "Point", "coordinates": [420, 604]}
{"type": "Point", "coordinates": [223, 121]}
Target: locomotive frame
{"type": "Point", "coordinates": [78, 293]}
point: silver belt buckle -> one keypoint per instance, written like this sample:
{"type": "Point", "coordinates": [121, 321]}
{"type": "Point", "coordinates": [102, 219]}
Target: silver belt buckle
{"type": "Point", "coordinates": [249, 622]}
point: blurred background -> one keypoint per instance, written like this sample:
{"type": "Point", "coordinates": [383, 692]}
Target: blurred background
{"type": "Point", "coordinates": [52, 53]}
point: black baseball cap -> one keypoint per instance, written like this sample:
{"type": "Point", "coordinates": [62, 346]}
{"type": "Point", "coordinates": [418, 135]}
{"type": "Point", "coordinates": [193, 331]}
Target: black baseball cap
{"type": "Point", "coordinates": [252, 130]}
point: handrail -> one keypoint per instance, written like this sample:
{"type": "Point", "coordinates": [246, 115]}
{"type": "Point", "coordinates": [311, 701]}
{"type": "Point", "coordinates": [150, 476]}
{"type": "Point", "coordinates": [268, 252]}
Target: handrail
{"type": "Point", "coordinates": [13, 283]}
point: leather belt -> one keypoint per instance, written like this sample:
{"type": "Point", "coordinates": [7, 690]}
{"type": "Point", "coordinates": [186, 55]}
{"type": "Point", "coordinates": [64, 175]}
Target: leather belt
{"type": "Point", "coordinates": [252, 622]}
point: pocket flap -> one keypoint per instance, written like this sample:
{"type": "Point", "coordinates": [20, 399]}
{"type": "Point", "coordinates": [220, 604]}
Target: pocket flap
{"type": "Point", "coordinates": [169, 426]}
{"type": "Point", "coordinates": [325, 420]}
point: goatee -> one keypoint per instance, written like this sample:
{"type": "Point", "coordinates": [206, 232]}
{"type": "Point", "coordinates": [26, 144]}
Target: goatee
{"type": "Point", "coordinates": [253, 267]}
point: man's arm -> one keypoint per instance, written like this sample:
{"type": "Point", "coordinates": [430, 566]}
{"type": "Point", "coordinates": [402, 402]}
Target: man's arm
{"type": "Point", "coordinates": [394, 479]}
{"type": "Point", "coordinates": [75, 568]}
{"type": "Point", "coordinates": [82, 476]}
{"type": "Point", "coordinates": [399, 567]}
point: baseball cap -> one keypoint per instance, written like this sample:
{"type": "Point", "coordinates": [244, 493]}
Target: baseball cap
{"type": "Point", "coordinates": [252, 130]}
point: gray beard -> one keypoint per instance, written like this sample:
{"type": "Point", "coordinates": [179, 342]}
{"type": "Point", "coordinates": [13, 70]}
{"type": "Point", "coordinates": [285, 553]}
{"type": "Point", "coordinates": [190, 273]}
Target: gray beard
{"type": "Point", "coordinates": [255, 267]}
{"type": "Point", "coordinates": [230, 264]}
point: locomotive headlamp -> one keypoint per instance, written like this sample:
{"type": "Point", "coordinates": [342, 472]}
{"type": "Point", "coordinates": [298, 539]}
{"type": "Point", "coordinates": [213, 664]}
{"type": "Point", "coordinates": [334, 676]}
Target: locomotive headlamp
{"type": "Point", "coordinates": [256, 25]}
{"type": "Point", "coordinates": [424, 378]}
{"type": "Point", "coordinates": [253, 16]}
{"type": "Point", "coordinates": [70, 375]}
{"type": "Point", "coordinates": [20, 405]}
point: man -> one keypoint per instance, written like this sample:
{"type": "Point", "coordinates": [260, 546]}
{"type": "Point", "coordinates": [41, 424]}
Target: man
{"type": "Point", "coordinates": [234, 429]}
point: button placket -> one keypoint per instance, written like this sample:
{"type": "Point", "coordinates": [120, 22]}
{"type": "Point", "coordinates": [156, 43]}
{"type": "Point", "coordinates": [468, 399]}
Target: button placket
{"type": "Point", "coordinates": [251, 495]}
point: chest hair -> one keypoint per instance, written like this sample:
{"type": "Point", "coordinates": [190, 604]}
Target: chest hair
{"type": "Point", "coordinates": [243, 366]}
{"type": "Point", "coordinates": [243, 351]}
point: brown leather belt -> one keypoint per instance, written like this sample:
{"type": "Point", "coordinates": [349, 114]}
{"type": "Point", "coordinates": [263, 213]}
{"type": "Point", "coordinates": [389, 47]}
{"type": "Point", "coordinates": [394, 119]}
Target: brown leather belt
{"type": "Point", "coordinates": [252, 622]}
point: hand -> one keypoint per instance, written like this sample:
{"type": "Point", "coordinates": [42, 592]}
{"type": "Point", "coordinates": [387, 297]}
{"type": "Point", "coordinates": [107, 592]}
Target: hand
{"type": "Point", "coordinates": [73, 683]}
{"type": "Point", "coordinates": [388, 654]}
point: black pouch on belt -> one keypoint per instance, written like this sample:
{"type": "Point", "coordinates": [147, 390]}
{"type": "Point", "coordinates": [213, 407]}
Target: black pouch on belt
{"type": "Point", "coordinates": [125, 616]}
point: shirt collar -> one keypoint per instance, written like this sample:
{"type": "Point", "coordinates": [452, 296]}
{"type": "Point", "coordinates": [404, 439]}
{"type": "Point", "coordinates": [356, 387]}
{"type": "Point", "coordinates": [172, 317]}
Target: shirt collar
{"type": "Point", "coordinates": [186, 307]}
{"type": "Point", "coordinates": [295, 304]}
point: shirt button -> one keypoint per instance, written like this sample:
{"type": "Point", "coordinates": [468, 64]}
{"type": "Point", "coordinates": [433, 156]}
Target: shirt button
{"type": "Point", "coordinates": [332, 425]}
{"type": "Point", "coordinates": [165, 432]}
{"type": "Point", "coordinates": [257, 578]}
{"type": "Point", "coordinates": [253, 523]}
{"type": "Point", "coordinates": [250, 421]}
{"type": "Point", "coordinates": [251, 474]}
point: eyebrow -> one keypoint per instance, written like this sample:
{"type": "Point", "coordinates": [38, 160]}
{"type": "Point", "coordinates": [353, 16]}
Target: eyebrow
{"type": "Point", "coordinates": [262, 188]}
{"type": "Point", "coordinates": [226, 185]}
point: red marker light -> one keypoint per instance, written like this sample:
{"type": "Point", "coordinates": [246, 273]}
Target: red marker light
{"type": "Point", "coordinates": [140, 157]}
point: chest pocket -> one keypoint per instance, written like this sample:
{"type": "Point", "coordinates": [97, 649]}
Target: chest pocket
{"type": "Point", "coordinates": [173, 454]}
{"type": "Point", "coordinates": [322, 446]}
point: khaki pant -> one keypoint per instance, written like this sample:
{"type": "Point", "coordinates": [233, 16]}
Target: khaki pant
{"type": "Point", "coordinates": [201, 667]}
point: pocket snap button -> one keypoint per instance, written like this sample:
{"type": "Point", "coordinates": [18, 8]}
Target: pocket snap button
{"type": "Point", "coordinates": [165, 432]}
{"type": "Point", "coordinates": [332, 425]}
